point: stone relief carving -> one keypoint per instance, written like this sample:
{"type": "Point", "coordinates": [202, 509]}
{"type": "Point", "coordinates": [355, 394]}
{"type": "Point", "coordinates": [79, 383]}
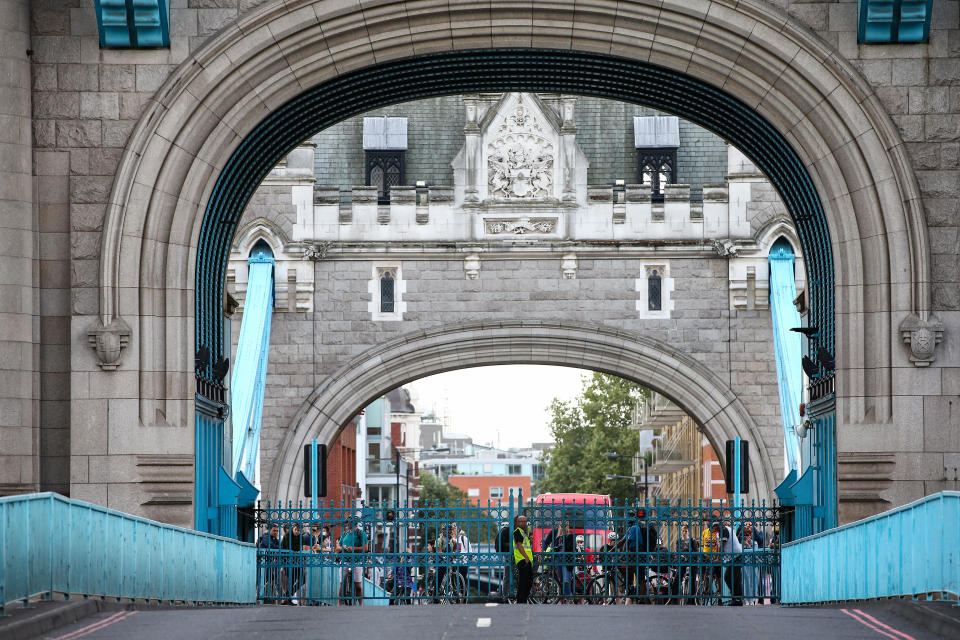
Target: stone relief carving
{"type": "Point", "coordinates": [923, 336]}
{"type": "Point", "coordinates": [520, 158]}
{"type": "Point", "coordinates": [520, 226]}
{"type": "Point", "coordinates": [108, 342]}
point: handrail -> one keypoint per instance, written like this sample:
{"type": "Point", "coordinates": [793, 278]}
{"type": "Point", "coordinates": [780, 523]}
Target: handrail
{"type": "Point", "coordinates": [51, 544]}
{"type": "Point", "coordinates": [907, 551]}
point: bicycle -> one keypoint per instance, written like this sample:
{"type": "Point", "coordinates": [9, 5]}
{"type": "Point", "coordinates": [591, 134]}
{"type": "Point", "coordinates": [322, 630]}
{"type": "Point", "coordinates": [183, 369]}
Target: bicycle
{"type": "Point", "coordinates": [452, 589]}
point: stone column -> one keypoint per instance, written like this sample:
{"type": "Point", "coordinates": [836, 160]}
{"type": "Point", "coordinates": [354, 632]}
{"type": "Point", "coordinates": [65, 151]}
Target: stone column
{"type": "Point", "coordinates": [471, 150]}
{"type": "Point", "coordinates": [19, 433]}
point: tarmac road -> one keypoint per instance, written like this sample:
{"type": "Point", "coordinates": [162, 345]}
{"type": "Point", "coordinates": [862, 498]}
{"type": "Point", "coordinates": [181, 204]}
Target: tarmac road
{"type": "Point", "coordinates": [501, 621]}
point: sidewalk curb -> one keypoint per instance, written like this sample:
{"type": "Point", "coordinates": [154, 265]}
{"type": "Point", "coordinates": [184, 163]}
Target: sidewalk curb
{"type": "Point", "coordinates": [928, 617]}
{"type": "Point", "coordinates": [61, 616]}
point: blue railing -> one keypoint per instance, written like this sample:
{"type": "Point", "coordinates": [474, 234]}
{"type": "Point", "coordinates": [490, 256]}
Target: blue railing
{"type": "Point", "coordinates": [908, 551]}
{"type": "Point", "coordinates": [53, 545]}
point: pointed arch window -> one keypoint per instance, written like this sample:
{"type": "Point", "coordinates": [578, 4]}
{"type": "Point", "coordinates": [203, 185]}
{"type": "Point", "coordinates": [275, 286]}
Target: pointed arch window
{"type": "Point", "coordinates": [387, 290]}
{"type": "Point", "coordinates": [654, 290]}
{"type": "Point", "coordinates": [656, 168]}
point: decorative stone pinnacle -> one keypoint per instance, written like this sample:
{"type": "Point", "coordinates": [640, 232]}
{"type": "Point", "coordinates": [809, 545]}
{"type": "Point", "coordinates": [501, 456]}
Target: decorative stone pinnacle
{"type": "Point", "coordinates": [108, 342]}
{"type": "Point", "coordinates": [923, 336]}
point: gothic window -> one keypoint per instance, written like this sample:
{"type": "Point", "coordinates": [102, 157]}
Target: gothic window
{"type": "Point", "coordinates": [387, 282]}
{"type": "Point", "coordinates": [654, 290]}
{"type": "Point", "coordinates": [386, 288]}
{"type": "Point", "coordinates": [656, 168]}
{"type": "Point", "coordinates": [385, 169]}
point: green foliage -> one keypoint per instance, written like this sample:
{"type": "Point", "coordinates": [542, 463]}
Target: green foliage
{"type": "Point", "coordinates": [436, 491]}
{"type": "Point", "coordinates": [595, 422]}
{"type": "Point", "coordinates": [442, 503]}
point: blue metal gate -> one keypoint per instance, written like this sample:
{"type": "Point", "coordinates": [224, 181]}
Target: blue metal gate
{"type": "Point", "coordinates": [596, 553]}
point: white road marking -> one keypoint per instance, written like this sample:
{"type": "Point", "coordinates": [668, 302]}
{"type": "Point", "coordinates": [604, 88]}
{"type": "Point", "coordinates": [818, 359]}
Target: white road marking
{"type": "Point", "coordinates": [483, 622]}
{"type": "Point", "coordinates": [491, 604]}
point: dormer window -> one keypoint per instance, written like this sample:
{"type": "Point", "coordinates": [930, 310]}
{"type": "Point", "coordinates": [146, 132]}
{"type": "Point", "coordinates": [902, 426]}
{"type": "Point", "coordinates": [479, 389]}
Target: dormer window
{"type": "Point", "coordinates": [656, 139]}
{"type": "Point", "coordinates": [384, 150]}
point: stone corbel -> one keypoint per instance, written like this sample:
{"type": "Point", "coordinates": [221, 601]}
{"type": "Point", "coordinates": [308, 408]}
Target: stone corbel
{"type": "Point", "coordinates": [568, 264]}
{"type": "Point", "coordinates": [923, 335]}
{"type": "Point", "coordinates": [108, 342]}
{"type": "Point", "coordinates": [471, 266]}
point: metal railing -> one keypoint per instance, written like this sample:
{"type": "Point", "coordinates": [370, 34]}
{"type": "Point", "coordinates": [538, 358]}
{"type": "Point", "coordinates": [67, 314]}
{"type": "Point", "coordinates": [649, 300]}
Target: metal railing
{"type": "Point", "coordinates": [908, 551]}
{"type": "Point", "coordinates": [50, 544]}
{"type": "Point", "coordinates": [429, 553]}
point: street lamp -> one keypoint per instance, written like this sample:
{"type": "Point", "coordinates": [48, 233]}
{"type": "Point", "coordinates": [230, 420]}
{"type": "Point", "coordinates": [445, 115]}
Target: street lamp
{"type": "Point", "coordinates": [636, 484]}
{"type": "Point", "coordinates": [611, 454]}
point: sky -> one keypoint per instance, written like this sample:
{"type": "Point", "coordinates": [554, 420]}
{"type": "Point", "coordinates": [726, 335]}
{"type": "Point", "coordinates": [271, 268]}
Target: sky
{"type": "Point", "coordinates": [504, 404]}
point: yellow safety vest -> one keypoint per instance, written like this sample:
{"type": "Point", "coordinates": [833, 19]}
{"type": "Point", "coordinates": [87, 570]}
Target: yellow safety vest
{"type": "Point", "coordinates": [517, 551]}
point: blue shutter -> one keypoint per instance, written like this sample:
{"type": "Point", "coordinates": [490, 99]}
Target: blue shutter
{"type": "Point", "coordinates": [894, 21]}
{"type": "Point", "coordinates": [133, 24]}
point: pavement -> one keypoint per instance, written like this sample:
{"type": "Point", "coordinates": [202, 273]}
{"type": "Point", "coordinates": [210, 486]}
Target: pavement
{"type": "Point", "coordinates": [896, 620]}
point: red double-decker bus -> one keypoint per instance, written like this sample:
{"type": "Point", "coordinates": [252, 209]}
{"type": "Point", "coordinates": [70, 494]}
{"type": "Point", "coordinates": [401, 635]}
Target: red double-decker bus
{"type": "Point", "coordinates": [588, 514]}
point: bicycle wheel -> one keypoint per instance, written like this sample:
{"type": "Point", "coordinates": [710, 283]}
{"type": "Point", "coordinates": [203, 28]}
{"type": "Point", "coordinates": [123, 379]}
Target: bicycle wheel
{"type": "Point", "coordinates": [593, 592]}
{"type": "Point", "coordinates": [546, 590]}
{"type": "Point", "coordinates": [684, 597]}
{"type": "Point", "coordinates": [709, 591]}
{"type": "Point", "coordinates": [456, 588]}
{"type": "Point", "coordinates": [609, 588]}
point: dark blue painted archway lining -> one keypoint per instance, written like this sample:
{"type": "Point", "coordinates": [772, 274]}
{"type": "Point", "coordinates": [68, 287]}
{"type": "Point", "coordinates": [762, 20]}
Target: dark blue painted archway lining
{"type": "Point", "coordinates": [534, 70]}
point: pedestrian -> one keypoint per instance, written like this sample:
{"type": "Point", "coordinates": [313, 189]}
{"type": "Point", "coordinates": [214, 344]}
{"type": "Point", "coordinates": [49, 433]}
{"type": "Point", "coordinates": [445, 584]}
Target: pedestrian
{"type": "Point", "coordinates": [502, 546]}
{"type": "Point", "coordinates": [733, 560]}
{"type": "Point", "coordinates": [687, 546]}
{"type": "Point", "coordinates": [268, 545]}
{"type": "Point", "coordinates": [351, 545]}
{"type": "Point", "coordinates": [462, 550]}
{"type": "Point", "coordinates": [751, 572]}
{"type": "Point", "coordinates": [641, 537]}
{"type": "Point", "coordinates": [295, 542]}
{"type": "Point", "coordinates": [523, 558]}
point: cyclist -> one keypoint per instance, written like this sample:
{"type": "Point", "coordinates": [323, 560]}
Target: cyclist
{"type": "Point", "coordinates": [614, 574]}
{"type": "Point", "coordinates": [642, 536]}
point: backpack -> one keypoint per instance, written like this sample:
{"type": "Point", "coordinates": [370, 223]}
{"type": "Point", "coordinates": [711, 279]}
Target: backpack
{"type": "Point", "coordinates": [503, 540]}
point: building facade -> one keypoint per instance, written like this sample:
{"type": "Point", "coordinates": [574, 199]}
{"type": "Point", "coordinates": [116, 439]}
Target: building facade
{"type": "Point", "coordinates": [125, 172]}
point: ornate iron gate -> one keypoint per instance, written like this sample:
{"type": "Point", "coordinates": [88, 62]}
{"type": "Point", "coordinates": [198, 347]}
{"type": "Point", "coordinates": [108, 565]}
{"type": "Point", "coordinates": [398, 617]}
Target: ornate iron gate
{"type": "Point", "coordinates": [583, 552]}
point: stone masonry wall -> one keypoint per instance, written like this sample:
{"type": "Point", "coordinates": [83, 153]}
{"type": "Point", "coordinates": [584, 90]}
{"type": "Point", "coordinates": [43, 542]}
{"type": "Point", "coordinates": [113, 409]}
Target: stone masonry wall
{"type": "Point", "coordinates": [736, 345]}
{"type": "Point", "coordinates": [85, 102]}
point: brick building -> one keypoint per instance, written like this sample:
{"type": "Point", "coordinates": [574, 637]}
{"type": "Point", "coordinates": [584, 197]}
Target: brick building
{"type": "Point", "coordinates": [482, 490]}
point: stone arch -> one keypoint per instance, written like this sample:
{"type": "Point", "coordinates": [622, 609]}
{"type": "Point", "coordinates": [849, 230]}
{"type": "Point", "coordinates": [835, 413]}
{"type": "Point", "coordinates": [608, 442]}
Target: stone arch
{"type": "Point", "coordinates": [657, 365]}
{"type": "Point", "coordinates": [179, 168]}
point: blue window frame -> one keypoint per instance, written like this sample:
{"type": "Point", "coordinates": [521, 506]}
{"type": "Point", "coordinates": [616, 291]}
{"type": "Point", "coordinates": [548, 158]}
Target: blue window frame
{"type": "Point", "coordinates": [133, 24]}
{"type": "Point", "coordinates": [894, 21]}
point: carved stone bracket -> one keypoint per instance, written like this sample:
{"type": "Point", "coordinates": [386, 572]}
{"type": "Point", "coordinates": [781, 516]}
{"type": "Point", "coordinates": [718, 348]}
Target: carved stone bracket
{"type": "Point", "coordinates": [726, 248]}
{"type": "Point", "coordinates": [108, 342]}
{"type": "Point", "coordinates": [318, 251]}
{"type": "Point", "coordinates": [471, 266]}
{"type": "Point", "coordinates": [923, 336]}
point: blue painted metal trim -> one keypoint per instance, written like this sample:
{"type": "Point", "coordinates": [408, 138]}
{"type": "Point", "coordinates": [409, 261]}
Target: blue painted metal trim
{"type": "Point", "coordinates": [907, 551]}
{"type": "Point", "coordinates": [894, 21]}
{"type": "Point", "coordinates": [248, 492]}
{"type": "Point", "coordinates": [133, 24]}
{"type": "Point", "coordinates": [784, 490]}
{"type": "Point", "coordinates": [51, 544]}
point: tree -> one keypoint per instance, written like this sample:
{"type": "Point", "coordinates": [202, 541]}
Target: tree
{"type": "Point", "coordinates": [597, 421]}
{"type": "Point", "coordinates": [436, 491]}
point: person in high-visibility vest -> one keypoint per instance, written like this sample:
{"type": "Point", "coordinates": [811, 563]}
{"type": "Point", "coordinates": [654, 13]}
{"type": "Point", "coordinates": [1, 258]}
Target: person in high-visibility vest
{"type": "Point", "coordinates": [523, 557]}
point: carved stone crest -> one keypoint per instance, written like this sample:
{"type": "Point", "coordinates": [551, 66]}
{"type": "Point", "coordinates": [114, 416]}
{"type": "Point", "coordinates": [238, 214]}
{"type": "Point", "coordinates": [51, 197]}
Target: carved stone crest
{"type": "Point", "coordinates": [520, 226]}
{"type": "Point", "coordinates": [108, 342]}
{"type": "Point", "coordinates": [520, 158]}
{"type": "Point", "coordinates": [923, 336]}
